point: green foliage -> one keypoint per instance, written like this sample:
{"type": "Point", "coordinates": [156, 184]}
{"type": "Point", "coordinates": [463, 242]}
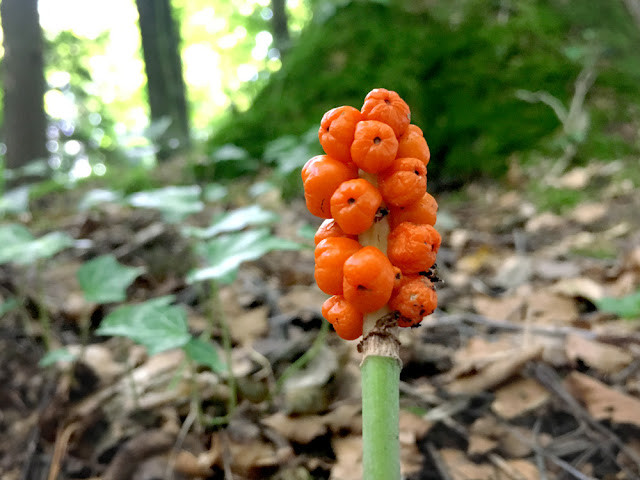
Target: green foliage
{"type": "Point", "coordinates": [104, 280]}
{"type": "Point", "coordinates": [225, 253]}
{"type": "Point", "coordinates": [235, 220]}
{"type": "Point", "coordinates": [19, 246]}
{"type": "Point", "coordinates": [459, 68]}
{"type": "Point", "coordinates": [156, 327]}
{"type": "Point", "coordinates": [159, 326]}
{"type": "Point", "coordinates": [626, 307]}
{"type": "Point", "coordinates": [175, 202]}
{"type": "Point", "coordinates": [54, 356]}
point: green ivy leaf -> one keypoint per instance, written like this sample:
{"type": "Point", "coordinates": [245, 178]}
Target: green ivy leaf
{"type": "Point", "coordinates": [235, 220]}
{"type": "Point", "coordinates": [204, 353]}
{"type": "Point", "coordinates": [55, 356]}
{"type": "Point", "coordinates": [157, 327]}
{"type": "Point", "coordinates": [17, 245]}
{"type": "Point", "coordinates": [175, 202]}
{"type": "Point", "coordinates": [224, 254]}
{"type": "Point", "coordinates": [104, 280]}
{"type": "Point", "coordinates": [626, 307]}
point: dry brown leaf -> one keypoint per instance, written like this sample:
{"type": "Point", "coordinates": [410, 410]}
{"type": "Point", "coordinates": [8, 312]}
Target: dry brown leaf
{"type": "Point", "coordinates": [524, 468]}
{"type": "Point", "coordinates": [579, 287]}
{"type": "Point", "coordinates": [248, 459]}
{"type": "Point", "coordinates": [603, 402]}
{"type": "Point", "coordinates": [607, 359]}
{"type": "Point", "coordinates": [504, 308]}
{"type": "Point", "coordinates": [461, 468]}
{"type": "Point", "coordinates": [301, 429]}
{"type": "Point", "coordinates": [344, 418]}
{"type": "Point", "coordinates": [588, 213]}
{"type": "Point", "coordinates": [191, 465]}
{"type": "Point", "coordinates": [544, 221]}
{"type": "Point", "coordinates": [348, 452]}
{"type": "Point", "coordinates": [250, 325]}
{"type": "Point", "coordinates": [518, 397]}
{"type": "Point", "coordinates": [488, 365]}
{"type": "Point", "coordinates": [548, 308]}
{"type": "Point", "coordinates": [480, 445]}
{"type": "Point", "coordinates": [412, 427]}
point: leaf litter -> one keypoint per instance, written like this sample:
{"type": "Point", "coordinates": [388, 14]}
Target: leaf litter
{"type": "Point", "coordinates": [526, 371]}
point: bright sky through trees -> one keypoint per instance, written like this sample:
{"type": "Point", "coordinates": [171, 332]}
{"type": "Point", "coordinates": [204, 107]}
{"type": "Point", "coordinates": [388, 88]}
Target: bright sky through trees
{"type": "Point", "coordinates": [117, 69]}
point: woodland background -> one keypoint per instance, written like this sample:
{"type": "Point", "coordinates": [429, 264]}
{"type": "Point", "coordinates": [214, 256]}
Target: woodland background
{"type": "Point", "coordinates": [159, 317]}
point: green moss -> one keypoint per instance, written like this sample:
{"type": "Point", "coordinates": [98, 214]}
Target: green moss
{"type": "Point", "coordinates": [460, 81]}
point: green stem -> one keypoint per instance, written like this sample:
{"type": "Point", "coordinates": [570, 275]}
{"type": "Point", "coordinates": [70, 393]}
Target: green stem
{"type": "Point", "coordinates": [380, 414]}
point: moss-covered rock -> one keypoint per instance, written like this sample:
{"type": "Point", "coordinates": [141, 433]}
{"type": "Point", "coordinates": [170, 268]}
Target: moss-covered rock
{"type": "Point", "coordinates": [458, 70]}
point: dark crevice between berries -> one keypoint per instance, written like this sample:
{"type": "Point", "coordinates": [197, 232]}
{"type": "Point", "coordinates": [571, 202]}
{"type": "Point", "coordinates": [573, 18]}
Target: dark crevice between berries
{"type": "Point", "coordinates": [351, 201]}
{"type": "Point", "coordinates": [377, 140]}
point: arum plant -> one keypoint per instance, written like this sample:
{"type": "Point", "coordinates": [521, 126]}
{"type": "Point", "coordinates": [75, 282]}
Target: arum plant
{"type": "Point", "coordinates": [374, 251]}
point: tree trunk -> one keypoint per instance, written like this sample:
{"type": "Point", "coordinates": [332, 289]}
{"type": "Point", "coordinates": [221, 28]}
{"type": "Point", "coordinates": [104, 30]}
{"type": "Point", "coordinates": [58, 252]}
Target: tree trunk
{"type": "Point", "coordinates": [280, 26]}
{"type": "Point", "coordinates": [25, 122]}
{"type": "Point", "coordinates": [163, 65]}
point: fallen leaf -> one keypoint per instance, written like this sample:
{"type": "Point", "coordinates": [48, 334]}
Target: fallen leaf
{"type": "Point", "coordinates": [588, 213]}
{"type": "Point", "coordinates": [524, 468]}
{"type": "Point", "coordinates": [249, 325]}
{"type": "Point", "coordinates": [301, 429]}
{"type": "Point", "coordinates": [480, 445]}
{"type": "Point", "coordinates": [502, 308]}
{"type": "Point", "coordinates": [461, 468]}
{"type": "Point", "coordinates": [546, 307]}
{"type": "Point", "coordinates": [602, 401]}
{"type": "Point", "coordinates": [607, 359]}
{"type": "Point", "coordinates": [348, 452]}
{"type": "Point", "coordinates": [412, 427]}
{"type": "Point", "coordinates": [513, 272]}
{"type": "Point", "coordinates": [555, 269]}
{"type": "Point", "coordinates": [519, 397]}
{"type": "Point", "coordinates": [579, 287]}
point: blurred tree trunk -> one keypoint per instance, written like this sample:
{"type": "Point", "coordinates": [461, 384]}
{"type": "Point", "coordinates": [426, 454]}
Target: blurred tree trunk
{"type": "Point", "coordinates": [163, 65]}
{"type": "Point", "coordinates": [280, 26]}
{"type": "Point", "coordinates": [25, 122]}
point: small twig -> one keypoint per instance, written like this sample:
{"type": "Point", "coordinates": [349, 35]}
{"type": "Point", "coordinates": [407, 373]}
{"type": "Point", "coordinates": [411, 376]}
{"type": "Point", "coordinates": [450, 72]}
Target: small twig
{"type": "Point", "coordinates": [439, 462]}
{"type": "Point", "coordinates": [60, 448]}
{"type": "Point", "coordinates": [507, 469]}
{"type": "Point", "coordinates": [542, 468]}
{"type": "Point", "coordinates": [194, 411]}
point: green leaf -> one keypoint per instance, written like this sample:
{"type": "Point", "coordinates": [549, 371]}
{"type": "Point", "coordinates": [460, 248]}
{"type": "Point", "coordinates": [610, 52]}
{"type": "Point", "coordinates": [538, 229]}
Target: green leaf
{"type": "Point", "coordinates": [235, 220]}
{"type": "Point", "coordinates": [204, 353]}
{"type": "Point", "coordinates": [96, 197]}
{"type": "Point", "coordinates": [626, 307]}
{"type": "Point", "coordinates": [15, 201]}
{"type": "Point", "coordinates": [175, 202]}
{"type": "Point", "coordinates": [225, 253]}
{"type": "Point", "coordinates": [8, 305]}
{"type": "Point", "coordinates": [158, 328]}
{"type": "Point", "coordinates": [17, 245]}
{"type": "Point", "coordinates": [55, 356]}
{"type": "Point", "coordinates": [104, 280]}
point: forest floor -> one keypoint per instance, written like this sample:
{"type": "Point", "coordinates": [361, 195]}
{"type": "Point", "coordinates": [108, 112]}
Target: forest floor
{"type": "Point", "coordinates": [523, 372]}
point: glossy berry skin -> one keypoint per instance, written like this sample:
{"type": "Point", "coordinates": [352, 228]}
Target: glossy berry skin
{"type": "Point", "coordinates": [330, 228]}
{"type": "Point", "coordinates": [336, 132]}
{"type": "Point", "coordinates": [386, 106]}
{"type": "Point", "coordinates": [368, 279]}
{"type": "Point", "coordinates": [404, 183]}
{"type": "Point", "coordinates": [415, 299]}
{"type": "Point", "coordinates": [354, 205]}
{"type": "Point", "coordinates": [412, 144]}
{"type": "Point", "coordinates": [413, 248]}
{"type": "Point", "coordinates": [330, 255]}
{"type": "Point", "coordinates": [374, 146]}
{"type": "Point", "coordinates": [346, 320]}
{"type": "Point", "coordinates": [322, 175]}
{"type": "Point", "coordinates": [424, 211]}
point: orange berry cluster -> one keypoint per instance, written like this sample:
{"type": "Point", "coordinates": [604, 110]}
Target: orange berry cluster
{"type": "Point", "coordinates": [377, 143]}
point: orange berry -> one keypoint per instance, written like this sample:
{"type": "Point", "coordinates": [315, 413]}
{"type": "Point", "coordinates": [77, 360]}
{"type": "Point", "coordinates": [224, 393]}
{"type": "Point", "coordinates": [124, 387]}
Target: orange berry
{"type": "Point", "coordinates": [336, 132]}
{"type": "Point", "coordinates": [346, 320]}
{"type": "Point", "coordinates": [423, 211]}
{"type": "Point", "coordinates": [412, 144]}
{"type": "Point", "coordinates": [387, 106]}
{"type": "Point", "coordinates": [368, 279]}
{"type": "Point", "coordinates": [330, 254]}
{"type": "Point", "coordinates": [322, 175]}
{"type": "Point", "coordinates": [397, 278]}
{"type": "Point", "coordinates": [354, 205]}
{"type": "Point", "coordinates": [374, 146]}
{"type": "Point", "coordinates": [404, 183]}
{"type": "Point", "coordinates": [415, 299]}
{"type": "Point", "coordinates": [413, 248]}
{"type": "Point", "coordinates": [330, 228]}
